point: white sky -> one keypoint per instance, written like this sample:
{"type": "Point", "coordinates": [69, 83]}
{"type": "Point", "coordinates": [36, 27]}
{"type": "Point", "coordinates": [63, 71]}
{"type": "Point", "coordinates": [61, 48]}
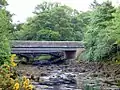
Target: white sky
{"type": "Point", "coordinates": [24, 8]}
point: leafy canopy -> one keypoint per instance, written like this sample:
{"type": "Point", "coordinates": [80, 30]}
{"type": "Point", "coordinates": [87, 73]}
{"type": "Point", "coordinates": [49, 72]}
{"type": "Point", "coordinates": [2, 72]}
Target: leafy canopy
{"type": "Point", "coordinates": [98, 40]}
{"type": "Point", "coordinates": [63, 23]}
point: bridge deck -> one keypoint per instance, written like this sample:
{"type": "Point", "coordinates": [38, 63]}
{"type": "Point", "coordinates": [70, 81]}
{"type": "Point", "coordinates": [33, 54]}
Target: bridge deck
{"type": "Point", "coordinates": [45, 44]}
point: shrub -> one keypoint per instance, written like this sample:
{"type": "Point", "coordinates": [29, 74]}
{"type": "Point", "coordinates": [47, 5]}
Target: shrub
{"type": "Point", "coordinates": [9, 79]}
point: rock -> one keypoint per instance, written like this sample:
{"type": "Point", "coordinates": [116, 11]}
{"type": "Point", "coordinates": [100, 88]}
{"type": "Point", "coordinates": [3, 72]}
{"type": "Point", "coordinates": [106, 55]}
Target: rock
{"type": "Point", "coordinates": [43, 74]}
{"type": "Point", "coordinates": [21, 72]}
{"type": "Point", "coordinates": [49, 69]}
{"type": "Point", "coordinates": [111, 88]}
{"type": "Point", "coordinates": [76, 70]}
{"type": "Point", "coordinates": [32, 77]}
{"type": "Point", "coordinates": [41, 62]}
{"type": "Point", "coordinates": [35, 83]}
{"type": "Point", "coordinates": [69, 70]}
{"type": "Point", "coordinates": [83, 70]}
{"type": "Point", "coordinates": [27, 74]}
{"type": "Point", "coordinates": [37, 79]}
{"type": "Point", "coordinates": [41, 87]}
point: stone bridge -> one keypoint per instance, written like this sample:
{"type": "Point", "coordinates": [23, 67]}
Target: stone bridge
{"type": "Point", "coordinates": [35, 48]}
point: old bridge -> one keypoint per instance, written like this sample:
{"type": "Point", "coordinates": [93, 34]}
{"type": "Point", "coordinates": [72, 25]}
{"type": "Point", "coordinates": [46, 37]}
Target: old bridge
{"type": "Point", "coordinates": [34, 48]}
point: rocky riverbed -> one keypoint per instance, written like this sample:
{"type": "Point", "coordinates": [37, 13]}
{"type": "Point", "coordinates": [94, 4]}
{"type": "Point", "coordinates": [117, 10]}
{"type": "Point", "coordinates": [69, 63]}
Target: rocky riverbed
{"type": "Point", "coordinates": [69, 76]}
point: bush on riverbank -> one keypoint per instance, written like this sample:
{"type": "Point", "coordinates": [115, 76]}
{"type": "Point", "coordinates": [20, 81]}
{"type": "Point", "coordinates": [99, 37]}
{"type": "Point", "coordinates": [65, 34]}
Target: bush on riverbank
{"type": "Point", "coordinates": [10, 80]}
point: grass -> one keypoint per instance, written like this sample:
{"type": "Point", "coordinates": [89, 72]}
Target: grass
{"type": "Point", "coordinates": [43, 57]}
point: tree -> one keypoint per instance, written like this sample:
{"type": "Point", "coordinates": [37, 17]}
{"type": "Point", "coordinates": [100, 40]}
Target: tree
{"type": "Point", "coordinates": [3, 3]}
{"type": "Point", "coordinates": [80, 21]}
{"type": "Point", "coordinates": [56, 18]}
{"type": "Point", "coordinates": [45, 6]}
{"type": "Point", "coordinates": [98, 41]}
{"type": "Point", "coordinates": [116, 26]}
{"type": "Point", "coordinates": [48, 35]}
{"type": "Point", "coordinates": [4, 31]}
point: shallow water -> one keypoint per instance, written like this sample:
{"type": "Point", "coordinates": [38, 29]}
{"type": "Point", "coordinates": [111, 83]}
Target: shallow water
{"type": "Point", "coordinates": [63, 77]}
{"type": "Point", "coordinates": [58, 80]}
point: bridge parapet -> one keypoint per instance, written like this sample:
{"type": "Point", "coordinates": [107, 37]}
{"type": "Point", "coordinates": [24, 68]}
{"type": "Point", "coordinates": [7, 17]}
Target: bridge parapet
{"type": "Point", "coordinates": [45, 44]}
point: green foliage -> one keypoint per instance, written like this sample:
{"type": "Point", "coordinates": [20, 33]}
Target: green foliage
{"type": "Point", "coordinates": [43, 57]}
{"type": "Point", "coordinates": [116, 26]}
{"type": "Point", "coordinates": [3, 2]}
{"type": "Point", "coordinates": [4, 43]}
{"type": "Point", "coordinates": [48, 35]}
{"type": "Point", "coordinates": [98, 40]}
{"type": "Point", "coordinates": [56, 21]}
{"type": "Point", "coordinates": [45, 6]}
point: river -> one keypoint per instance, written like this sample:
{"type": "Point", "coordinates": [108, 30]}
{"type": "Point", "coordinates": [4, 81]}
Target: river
{"type": "Point", "coordinates": [70, 76]}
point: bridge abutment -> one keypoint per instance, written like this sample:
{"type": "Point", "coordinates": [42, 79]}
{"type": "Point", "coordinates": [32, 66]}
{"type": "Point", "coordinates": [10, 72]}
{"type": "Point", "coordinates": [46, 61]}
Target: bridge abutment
{"type": "Point", "coordinates": [70, 54]}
